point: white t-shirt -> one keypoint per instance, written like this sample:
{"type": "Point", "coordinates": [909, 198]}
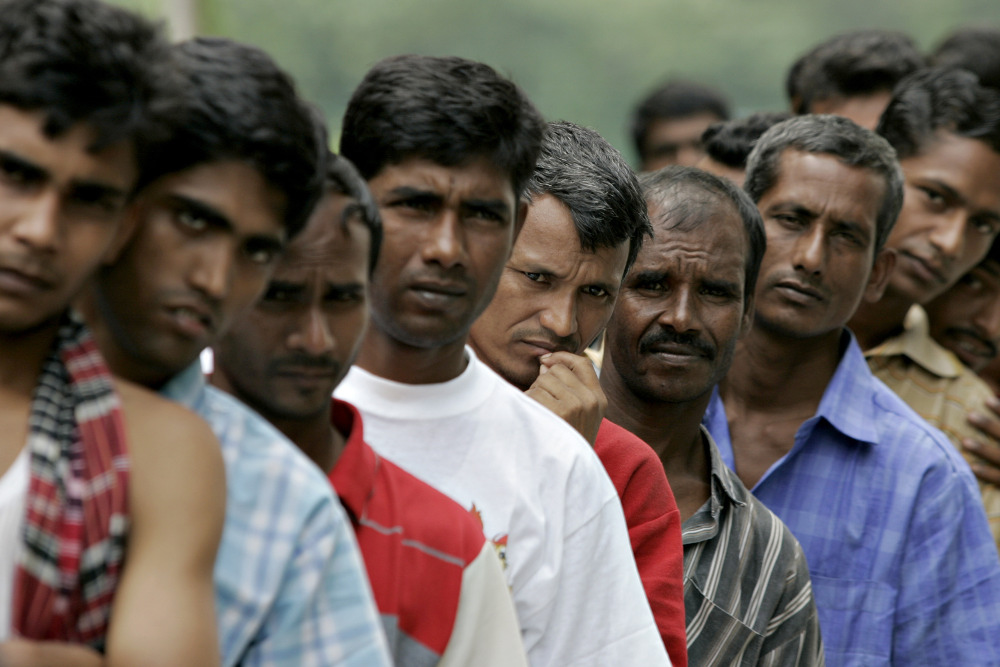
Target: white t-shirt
{"type": "Point", "coordinates": [13, 498]}
{"type": "Point", "coordinates": [543, 498]}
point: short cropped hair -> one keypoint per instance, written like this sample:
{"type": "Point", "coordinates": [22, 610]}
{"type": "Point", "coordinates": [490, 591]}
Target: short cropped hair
{"type": "Point", "coordinates": [837, 137]}
{"type": "Point", "coordinates": [83, 61]}
{"type": "Point", "coordinates": [446, 110]}
{"type": "Point", "coordinates": [343, 178]}
{"type": "Point", "coordinates": [687, 197]}
{"type": "Point", "coordinates": [852, 64]}
{"type": "Point", "coordinates": [731, 141]}
{"type": "Point", "coordinates": [674, 99]}
{"type": "Point", "coordinates": [974, 49]}
{"type": "Point", "coordinates": [940, 99]}
{"type": "Point", "coordinates": [583, 171]}
{"type": "Point", "coordinates": [239, 105]}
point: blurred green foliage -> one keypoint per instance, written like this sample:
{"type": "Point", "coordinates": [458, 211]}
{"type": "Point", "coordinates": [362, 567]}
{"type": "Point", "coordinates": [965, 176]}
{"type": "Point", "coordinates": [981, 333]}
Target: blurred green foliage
{"type": "Point", "coordinates": [582, 60]}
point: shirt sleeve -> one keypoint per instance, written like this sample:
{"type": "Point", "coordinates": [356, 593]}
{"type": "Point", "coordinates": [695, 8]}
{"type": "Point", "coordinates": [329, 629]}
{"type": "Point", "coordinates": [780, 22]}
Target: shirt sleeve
{"type": "Point", "coordinates": [486, 632]}
{"type": "Point", "coordinates": [598, 615]}
{"type": "Point", "coordinates": [948, 610]}
{"type": "Point", "coordinates": [325, 613]}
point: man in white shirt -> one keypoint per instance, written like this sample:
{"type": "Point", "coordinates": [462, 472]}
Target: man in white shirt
{"type": "Point", "coordinates": [446, 146]}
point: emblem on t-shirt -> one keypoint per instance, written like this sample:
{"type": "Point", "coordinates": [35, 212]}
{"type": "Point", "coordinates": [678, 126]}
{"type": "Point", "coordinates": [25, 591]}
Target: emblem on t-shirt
{"type": "Point", "coordinates": [498, 541]}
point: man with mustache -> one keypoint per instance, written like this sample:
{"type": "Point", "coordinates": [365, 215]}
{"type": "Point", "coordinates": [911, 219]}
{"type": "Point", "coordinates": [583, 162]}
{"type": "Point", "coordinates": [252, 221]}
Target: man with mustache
{"type": "Point", "coordinates": [585, 223]}
{"type": "Point", "coordinates": [447, 146]}
{"type": "Point", "coordinates": [887, 512]}
{"type": "Point", "coordinates": [234, 179]}
{"type": "Point", "coordinates": [682, 307]}
{"type": "Point", "coordinates": [284, 358]}
{"type": "Point", "coordinates": [945, 128]}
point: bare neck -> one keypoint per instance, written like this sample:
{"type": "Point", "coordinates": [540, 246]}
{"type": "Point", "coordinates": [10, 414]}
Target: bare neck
{"type": "Point", "coordinates": [673, 430]}
{"type": "Point", "coordinates": [772, 373]}
{"type": "Point", "coordinates": [388, 358]}
{"type": "Point", "coordinates": [874, 323]}
{"type": "Point", "coordinates": [22, 358]}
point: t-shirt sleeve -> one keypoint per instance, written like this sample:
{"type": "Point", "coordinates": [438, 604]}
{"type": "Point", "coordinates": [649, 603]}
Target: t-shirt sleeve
{"type": "Point", "coordinates": [486, 632]}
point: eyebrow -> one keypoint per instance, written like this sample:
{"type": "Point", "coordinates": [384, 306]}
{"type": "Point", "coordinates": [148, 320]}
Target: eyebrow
{"type": "Point", "coordinates": [410, 192]}
{"type": "Point", "coordinates": [91, 190]}
{"type": "Point", "coordinates": [792, 207]}
{"type": "Point", "coordinates": [214, 217]}
{"type": "Point", "coordinates": [497, 207]}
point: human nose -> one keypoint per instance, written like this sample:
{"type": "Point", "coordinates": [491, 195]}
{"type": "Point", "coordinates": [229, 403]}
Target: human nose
{"type": "Point", "coordinates": [446, 242]}
{"type": "Point", "coordinates": [810, 251]}
{"type": "Point", "coordinates": [313, 335]}
{"type": "Point", "coordinates": [37, 224]}
{"type": "Point", "coordinates": [213, 267]}
{"type": "Point", "coordinates": [948, 236]}
{"type": "Point", "coordinates": [679, 314]}
{"type": "Point", "coordinates": [559, 315]}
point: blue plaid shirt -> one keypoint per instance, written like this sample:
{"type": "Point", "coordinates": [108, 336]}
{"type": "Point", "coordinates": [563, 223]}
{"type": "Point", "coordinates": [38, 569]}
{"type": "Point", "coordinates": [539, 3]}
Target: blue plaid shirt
{"type": "Point", "coordinates": [903, 566]}
{"type": "Point", "coordinates": [290, 585]}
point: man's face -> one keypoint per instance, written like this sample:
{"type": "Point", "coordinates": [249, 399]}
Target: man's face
{"type": "Point", "coordinates": [676, 141]}
{"type": "Point", "coordinates": [61, 213]}
{"type": "Point", "coordinates": [950, 216]}
{"type": "Point", "coordinates": [553, 295]}
{"type": "Point", "coordinates": [285, 356]}
{"type": "Point", "coordinates": [448, 233]}
{"type": "Point", "coordinates": [966, 318]}
{"type": "Point", "coordinates": [820, 220]}
{"type": "Point", "coordinates": [865, 110]}
{"type": "Point", "coordinates": [206, 241]}
{"type": "Point", "coordinates": [681, 309]}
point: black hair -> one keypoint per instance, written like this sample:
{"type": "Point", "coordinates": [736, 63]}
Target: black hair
{"type": "Point", "coordinates": [851, 64]}
{"type": "Point", "coordinates": [731, 141]}
{"type": "Point", "coordinates": [687, 197]}
{"type": "Point", "coordinates": [840, 138]}
{"type": "Point", "coordinates": [239, 105]}
{"type": "Point", "coordinates": [343, 178]}
{"type": "Point", "coordinates": [447, 110]}
{"type": "Point", "coordinates": [583, 171]}
{"type": "Point", "coordinates": [940, 99]}
{"type": "Point", "coordinates": [83, 61]}
{"type": "Point", "coordinates": [674, 99]}
{"type": "Point", "coordinates": [974, 49]}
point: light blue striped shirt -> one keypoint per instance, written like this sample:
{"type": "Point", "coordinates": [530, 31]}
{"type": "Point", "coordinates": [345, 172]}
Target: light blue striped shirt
{"type": "Point", "coordinates": [903, 566]}
{"type": "Point", "coordinates": [290, 585]}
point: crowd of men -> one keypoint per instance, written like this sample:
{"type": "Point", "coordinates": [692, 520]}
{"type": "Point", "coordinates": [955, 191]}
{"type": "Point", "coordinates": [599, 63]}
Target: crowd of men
{"type": "Point", "coordinates": [480, 393]}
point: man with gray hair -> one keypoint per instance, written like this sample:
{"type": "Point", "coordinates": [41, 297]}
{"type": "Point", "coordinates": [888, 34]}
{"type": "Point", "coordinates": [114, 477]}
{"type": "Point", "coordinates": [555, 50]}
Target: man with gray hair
{"type": "Point", "coordinates": [683, 306]}
{"type": "Point", "coordinates": [901, 558]}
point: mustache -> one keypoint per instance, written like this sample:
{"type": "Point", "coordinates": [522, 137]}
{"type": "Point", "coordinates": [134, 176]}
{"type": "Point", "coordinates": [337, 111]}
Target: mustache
{"type": "Point", "coordinates": [972, 333]}
{"type": "Point", "coordinates": [692, 340]}
{"type": "Point", "coordinates": [306, 361]}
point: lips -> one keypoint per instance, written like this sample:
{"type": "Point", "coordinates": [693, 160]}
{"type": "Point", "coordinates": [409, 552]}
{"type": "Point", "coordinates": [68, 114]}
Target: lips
{"type": "Point", "coordinates": [16, 278]}
{"type": "Point", "coordinates": [436, 295]}
{"type": "Point", "coordinates": [800, 291]}
{"type": "Point", "coordinates": [675, 350]}
{"type": "Point", "coordinates": [191, 318]}
{"type": "Point", "coordinates": [926, 269]}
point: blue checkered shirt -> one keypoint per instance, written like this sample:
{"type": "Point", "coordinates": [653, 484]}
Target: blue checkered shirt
{"type": "Point", "coordinates": [903, 566]}
{"type": "Point", "coordinates": [290, 585]}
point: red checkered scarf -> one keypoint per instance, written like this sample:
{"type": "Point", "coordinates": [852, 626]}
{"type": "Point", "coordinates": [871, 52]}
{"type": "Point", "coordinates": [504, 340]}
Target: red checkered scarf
{"type": "Point", "coordinates": [76, 521]}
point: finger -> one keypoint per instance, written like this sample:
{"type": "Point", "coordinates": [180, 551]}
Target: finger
{"type": "Point", "coordinates": [989, 426]}
{"type": "Point", "coordinates": [579, 365]}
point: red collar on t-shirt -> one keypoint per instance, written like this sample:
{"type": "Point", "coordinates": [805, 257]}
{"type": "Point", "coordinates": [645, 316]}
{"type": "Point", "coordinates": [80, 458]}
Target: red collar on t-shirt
{"type": "Point", "coordinates": [353, 476]}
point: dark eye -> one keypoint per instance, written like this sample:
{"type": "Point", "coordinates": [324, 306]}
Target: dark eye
{"type": "Point", "coordinates": [985, 226]}
{"type": "Point", "coordinates": [595, 291]}
{"type": "Point", "coordinates": [532, 276]}
{"type": "Point", "coordinates": [261, 252]}
{"type": "Point", "coordinates": [936, 200]}
{"type": "Point", "coordinates": [191, 220]}
{"type": "Point", "coordinates": [279, 294]}
{"type": "Point", "coordinates": [18, 173]}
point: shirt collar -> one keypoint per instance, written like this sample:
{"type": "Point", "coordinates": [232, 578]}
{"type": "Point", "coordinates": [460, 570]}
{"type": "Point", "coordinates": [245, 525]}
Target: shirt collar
{"type": "Point", "coordinates": [187, 387]}
{"type": "Point", "coordinates": [848, 402]}
{"type": "Point", "coordinates": [721, 476]}
{"type": "Point", "coordinates": [916, 343]}
{"type": "Point", "coordinates": [353, 476]}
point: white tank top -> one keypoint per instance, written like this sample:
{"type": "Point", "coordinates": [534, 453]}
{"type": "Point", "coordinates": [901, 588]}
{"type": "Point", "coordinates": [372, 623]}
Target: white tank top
{"type": "Point", "coordinates": [13, 495]}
